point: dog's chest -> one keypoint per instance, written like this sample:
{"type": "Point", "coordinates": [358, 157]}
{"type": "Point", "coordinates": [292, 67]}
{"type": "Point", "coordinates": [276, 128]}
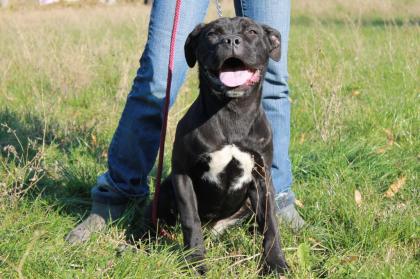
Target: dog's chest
{"type": "Point", "coordinates": [229, 167]}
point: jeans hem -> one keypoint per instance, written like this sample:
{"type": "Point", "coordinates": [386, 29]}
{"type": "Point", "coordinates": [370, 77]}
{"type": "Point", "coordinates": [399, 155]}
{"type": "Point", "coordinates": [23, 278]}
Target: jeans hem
{"type": "Point", "coordinates": [284, 199]}
{"type": "Point", "coordinates": [106, 191]}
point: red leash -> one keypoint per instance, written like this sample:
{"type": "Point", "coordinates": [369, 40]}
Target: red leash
{"type": "Point", "coordinates": [165, 117]}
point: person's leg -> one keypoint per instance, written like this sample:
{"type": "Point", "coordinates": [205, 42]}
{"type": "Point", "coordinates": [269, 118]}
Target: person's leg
{"type": "Point", "coordinates": [135, 144]}
{"type": "Point", "coordinates": [276, 13]}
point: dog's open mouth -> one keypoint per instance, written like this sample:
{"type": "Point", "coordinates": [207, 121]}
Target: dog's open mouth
{"type": "Point", "coordinates": [234, 73]}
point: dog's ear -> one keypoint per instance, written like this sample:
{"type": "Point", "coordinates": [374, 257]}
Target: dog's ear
{"type": "Point", "coordinates": [273, 40]}
{"type": "Point", "coordinates": [190, 47]}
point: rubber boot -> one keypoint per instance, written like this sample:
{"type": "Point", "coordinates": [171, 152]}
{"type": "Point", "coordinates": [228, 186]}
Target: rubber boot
{"type": "Point", "coordinates": [286, 212]}
{"type": "Point", "coordinates": [107, 206]}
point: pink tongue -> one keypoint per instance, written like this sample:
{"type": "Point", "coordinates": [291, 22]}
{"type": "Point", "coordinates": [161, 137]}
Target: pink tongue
{"type": "Point", "coordinates": [235, 78]}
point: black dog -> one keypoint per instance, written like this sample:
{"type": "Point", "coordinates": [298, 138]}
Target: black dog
{"type": "Point", "coordinates": [222, 154]}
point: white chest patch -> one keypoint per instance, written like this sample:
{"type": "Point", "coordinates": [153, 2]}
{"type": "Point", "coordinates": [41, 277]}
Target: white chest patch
{"type": "Point", "coordinates": [221, 158]}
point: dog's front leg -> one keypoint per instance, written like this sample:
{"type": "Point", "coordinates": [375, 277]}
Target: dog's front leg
{"type": "Point", "coordinates": [190, 221]}
{"type": "Point", "coordinates": [262, 200]}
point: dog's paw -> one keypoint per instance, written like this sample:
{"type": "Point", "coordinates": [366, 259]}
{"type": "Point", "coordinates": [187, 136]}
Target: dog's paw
{"type": "Point", "coordinates": [197, 262]}
{"type": "Point", "coordinates": [279, 266]}
{"type": "Point", "coordinates": [201, 269]}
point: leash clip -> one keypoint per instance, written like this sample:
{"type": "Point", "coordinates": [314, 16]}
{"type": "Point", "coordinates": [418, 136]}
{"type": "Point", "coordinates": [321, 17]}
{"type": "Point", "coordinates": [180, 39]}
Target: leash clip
{"type": "Point", "coordinates": [218, 8]}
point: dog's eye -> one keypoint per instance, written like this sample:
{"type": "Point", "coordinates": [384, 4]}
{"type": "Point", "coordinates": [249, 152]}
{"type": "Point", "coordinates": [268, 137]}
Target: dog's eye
{"type": "Point", "coordinates": [252, 31]}
{"type": "Point", "coordinates": [211, 33]}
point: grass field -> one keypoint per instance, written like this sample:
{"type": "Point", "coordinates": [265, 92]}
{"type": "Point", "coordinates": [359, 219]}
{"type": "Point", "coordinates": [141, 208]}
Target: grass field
{"type": "Point", "coordinates": [354, 68]}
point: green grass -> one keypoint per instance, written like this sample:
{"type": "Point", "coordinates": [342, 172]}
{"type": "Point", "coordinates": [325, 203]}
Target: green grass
{"type": "Point", "coordinates": [354, 75]}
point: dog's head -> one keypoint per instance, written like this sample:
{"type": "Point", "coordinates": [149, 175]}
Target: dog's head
{"type": "Point", "coordinates": [232, 54]}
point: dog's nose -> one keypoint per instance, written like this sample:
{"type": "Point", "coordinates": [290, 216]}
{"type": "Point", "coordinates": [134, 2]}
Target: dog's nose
{"type": "Point", "coordinates": [232, 40]}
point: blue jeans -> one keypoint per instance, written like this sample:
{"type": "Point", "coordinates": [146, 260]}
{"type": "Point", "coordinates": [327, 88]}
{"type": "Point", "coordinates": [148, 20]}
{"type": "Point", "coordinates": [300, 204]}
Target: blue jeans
{"type": "Point", "coordinates": [135, 144]}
